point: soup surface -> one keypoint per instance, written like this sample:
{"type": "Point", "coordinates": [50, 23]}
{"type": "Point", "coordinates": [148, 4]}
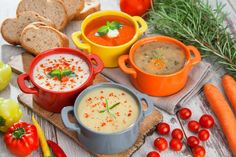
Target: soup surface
{"type": "Point", "coordinates": [123, 33]}
{"type": "Point", "coordinates": [61, 72]}
{"type": "Point", "coordinates": [159, 58]}
{"type": "Point", "coordinates": [108, 110]}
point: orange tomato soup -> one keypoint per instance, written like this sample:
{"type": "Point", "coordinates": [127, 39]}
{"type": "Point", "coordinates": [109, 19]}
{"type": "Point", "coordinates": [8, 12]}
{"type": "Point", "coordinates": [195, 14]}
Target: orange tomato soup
{"type": "Point", "coordinates": [126, 32]}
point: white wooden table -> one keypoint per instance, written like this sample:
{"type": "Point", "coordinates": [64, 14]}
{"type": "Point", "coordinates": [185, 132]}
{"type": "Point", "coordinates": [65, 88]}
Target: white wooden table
{"type": "Point", "coordinates": [215, 147]}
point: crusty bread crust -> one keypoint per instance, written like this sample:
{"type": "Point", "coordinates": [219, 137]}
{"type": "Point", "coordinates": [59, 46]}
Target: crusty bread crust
{"type": "Point", "coordinates": [64, 42]}
{"type": "Point", "coordinates": [12, 27]}
{"type": "Point", "coordinates": [88, 10]}
{"type": "Point", "coordinates": [51, 9]}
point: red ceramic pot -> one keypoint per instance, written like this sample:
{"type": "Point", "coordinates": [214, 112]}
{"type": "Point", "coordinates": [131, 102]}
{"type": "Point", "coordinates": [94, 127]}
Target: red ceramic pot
{"type": "Point", "coordinates": [54, 101]}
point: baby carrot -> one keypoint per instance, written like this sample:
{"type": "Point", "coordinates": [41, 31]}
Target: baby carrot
{"type": "Point", "coordinates": [229, 85]}
{"type": "Point", "coordinates": [224, 114]}
{"type": "Point", "coordinates": [42, 139]}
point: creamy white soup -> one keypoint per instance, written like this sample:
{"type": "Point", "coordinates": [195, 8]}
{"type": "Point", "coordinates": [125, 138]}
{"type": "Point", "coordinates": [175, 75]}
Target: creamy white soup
{"type": "Point", "coordinates": [108, 110]}
{"type": "Point", "coordinates": [61, 72]}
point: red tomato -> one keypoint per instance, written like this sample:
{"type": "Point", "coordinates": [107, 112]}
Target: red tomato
{"type": "Point", "coordinates": [203, 135]}
{"type": "Point", "coordinates": [192, 141]}
{"type": "Point", "coordinates": [193, 126]}
{"type": "Point", "coordinates": [21, 139]}
{"type": "Point", "coordinates": [160, 144]}
{"type": "Point", "coordinates": [176, 145]}
{"type": "Point", "coordinates": [153, 154]}
{"type": "Point", "coordinates": [177, 134]}
{"type": "Point", "coordinates": [163, 128]}
{"type": "Point", "coordinates": [198, 151]}
{"type": "Point", "coordinates": [185, 113]}
{"type": "Point", "coordinates": [206, 121]}
{"type": "Point", "coordinates": [135, 7]}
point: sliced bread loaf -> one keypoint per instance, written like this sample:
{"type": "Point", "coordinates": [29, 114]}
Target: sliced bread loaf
{"type": "Point", "coordinates": [12, 27]}
{"type": "Point", "coordinates": [51, 9]}
{"type": "Point", "coordinates": [90, 7]}
{"type": "Point", "coordinates": [38, 37]}
{"type": "Point", "coordinates": [73, 7]}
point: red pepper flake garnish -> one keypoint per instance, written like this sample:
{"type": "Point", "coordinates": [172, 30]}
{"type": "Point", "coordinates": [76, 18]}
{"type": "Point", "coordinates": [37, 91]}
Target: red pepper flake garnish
{"type": "Point", "coordinates": [122, 93]}
{"type": "Point", "coordinates": [55, 78]}
{"type": "Point", "coordinates": [41, 65]}
{"type": "Point", "coordinates": [81, 76]}
{"type": "Point", "coordinates": [118, 113]}
{"type": "Point", "coordinates": [64, 79]}
{"type": "Point", "coordinates": [130, 110]}
{"type": "Point", "coordinates": [103, 124]}
{"type": "Point", "coordinates": [111, 94]}
{"type": "Point", "coordinates": [89, 99]}
{"type": "Point", "coordinates": [93, 111]}
{"type": "Point", "coordinates": [76, 62]}
{"type": "Point", "coordinates": [129, 114]}
{"type": "Point", "coordinates": [94, 105]}
{"type": "Point", "coordinates": [47, 84]}
{"type": "Point", "coordinates": [80, 69]}
{"type": "Point", "coordinates": [102, 97]}
{"type": "Point", "coordinates": [40, 77]}
{"type": "Point", "coordinates": [86, 115]}
{"type": "Point", "coordinates": [125, 101]}
{"type": "Point", "coordinates": [110, 120]}
{"type": "Point", "coordinates": [72, 80]}
{"type": "Point", "coordinates": [48, 69]}
{"type": "Point", "coordinates": [101, 91]}
{"type": "Point", "coordinates": [104, 104]}
{"type": "Point", "coordinates": [73, 68]}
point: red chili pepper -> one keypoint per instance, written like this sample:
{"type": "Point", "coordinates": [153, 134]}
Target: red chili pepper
{"type": "Point", "coordinates": [56, 149]}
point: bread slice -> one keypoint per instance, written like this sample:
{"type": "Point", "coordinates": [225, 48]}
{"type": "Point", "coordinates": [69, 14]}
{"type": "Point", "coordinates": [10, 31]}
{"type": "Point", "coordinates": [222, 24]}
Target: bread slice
{"type": "Point", "coordinates": [38, 37]}
{"type": "Point", "coordinates": [90, 7]}
{"type": "Point", "coordinates": [12, 27]}
{"type": "Point", "coordinates": [73, 7]}
{"type": "Point", "coordinates": [51, 9]}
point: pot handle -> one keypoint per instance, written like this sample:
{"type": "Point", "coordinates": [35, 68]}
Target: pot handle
{"type": "Point", "coordinates": [148, 102]}
{"type": "Point", "coordinates": [143, 25]}
{"type": "Point", "coordinates": [64, 116]}
{"type": "Point", "coordinates": [23, 87]}
{"type": "Point", "coordinates": [122, 61]}
{"type": "Point", "coordinates": [197, 55]}
{"type": "Point", "coordinates": [76, 38]}
{"type": "Point", "coordinates": [99, 64]}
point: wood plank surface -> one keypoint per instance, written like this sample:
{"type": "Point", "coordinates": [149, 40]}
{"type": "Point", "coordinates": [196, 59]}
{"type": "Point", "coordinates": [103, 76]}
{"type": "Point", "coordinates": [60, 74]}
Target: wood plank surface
{"type": "Point", "coordinates": [216, 146]}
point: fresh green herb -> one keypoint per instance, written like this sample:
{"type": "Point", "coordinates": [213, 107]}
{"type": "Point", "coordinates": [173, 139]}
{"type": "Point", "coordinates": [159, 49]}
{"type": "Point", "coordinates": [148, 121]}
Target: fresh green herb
{"type": "Point", "coordinates": [156, 54]}
{"type": "Point", "coordinates": [195, 22]}
{"type": "Point", "coordinates": [108, 109]}
{"type": "Point", "coordinates": [109, 26]}
{"type": "Point", "coordinates": [59, 74]}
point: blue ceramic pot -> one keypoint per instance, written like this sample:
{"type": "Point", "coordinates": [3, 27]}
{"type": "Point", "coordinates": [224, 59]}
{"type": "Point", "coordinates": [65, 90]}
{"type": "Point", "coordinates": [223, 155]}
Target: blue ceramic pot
{"type": "Point", "coordinates": [105, 143]}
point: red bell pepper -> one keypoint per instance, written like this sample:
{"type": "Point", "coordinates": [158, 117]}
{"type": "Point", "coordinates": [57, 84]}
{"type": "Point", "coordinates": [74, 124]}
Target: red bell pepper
{"type": "Point", "coordinates": [56, 149]}
{"type": "Point", "coordinates": [21, 139]}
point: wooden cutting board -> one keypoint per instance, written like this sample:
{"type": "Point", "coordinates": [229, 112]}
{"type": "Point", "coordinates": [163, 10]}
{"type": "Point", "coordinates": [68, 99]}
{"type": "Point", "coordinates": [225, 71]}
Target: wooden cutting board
{"type": "Point", "coordinates": [21, 64]}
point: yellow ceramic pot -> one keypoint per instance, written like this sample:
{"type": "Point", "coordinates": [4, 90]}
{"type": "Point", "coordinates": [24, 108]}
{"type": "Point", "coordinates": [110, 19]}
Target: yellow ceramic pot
{"type": "Point", "coordinates": [108, 54]}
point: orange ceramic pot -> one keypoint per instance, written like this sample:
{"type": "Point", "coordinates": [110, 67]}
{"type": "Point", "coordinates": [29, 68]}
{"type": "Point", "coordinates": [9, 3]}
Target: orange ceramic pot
{"type": "Point", "coordinates": [159, 85]}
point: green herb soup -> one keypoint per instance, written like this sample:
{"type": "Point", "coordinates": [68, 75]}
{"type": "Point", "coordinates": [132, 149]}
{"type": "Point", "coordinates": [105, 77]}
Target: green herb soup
{"type": "Point", "coordinates": [159, 58]}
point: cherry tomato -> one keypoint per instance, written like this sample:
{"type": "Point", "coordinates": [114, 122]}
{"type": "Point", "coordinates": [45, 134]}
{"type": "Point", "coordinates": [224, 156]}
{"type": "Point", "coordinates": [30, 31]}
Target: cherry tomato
{"type": "Point", "coordinates": [192, 141]}
{"type": "Point", "coordinates": [163, 128]}
{"type": "Point", "coordinates": [203, 135]}
{"type": "Point", "coordinates": [135, 7]}
{"type": "Point", "coordinates": [206, 121]}
{"type": "Point", "coordinates": [193, 126]}
{"type": "Point", "coordinates": [185, 113]}
{"type": "Point", "coordinates": [177, 134]}
{"type": "Point", "coordinates": [176, 145]}
{"type": "Point", "coordinates": [198, 151]}
{"type": "Point", "coordinates": [153, 154]}
{"type": "Point", "coordinates": [161, 144]}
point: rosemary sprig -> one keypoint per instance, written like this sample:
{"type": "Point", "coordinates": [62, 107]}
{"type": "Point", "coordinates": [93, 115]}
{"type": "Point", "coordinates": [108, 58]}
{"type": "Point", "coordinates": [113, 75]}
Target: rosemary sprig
{"type": "Point", "coordinates": [108, 109]}
{"type": "Point", "coordinates": [195, 22]}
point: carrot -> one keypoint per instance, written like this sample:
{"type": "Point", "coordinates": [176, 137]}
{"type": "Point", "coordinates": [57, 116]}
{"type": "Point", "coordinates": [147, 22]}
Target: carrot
{"type": "Point", "coordinates": [224, 114]}
{"type": "Point", "coordinates": [229, 85]}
